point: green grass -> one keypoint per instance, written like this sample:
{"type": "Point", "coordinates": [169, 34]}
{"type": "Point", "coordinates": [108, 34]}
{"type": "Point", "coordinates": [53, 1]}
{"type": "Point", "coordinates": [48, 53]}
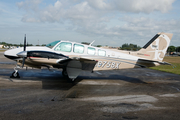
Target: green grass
{"type": "Point", "coordinates": [175, 61]}
{"type": "Point", "coordinates": [3, 50]}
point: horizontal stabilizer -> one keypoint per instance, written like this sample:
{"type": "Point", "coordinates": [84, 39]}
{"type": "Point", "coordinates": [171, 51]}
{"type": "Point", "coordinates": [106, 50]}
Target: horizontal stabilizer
{"type": "Point", "coordinates": [151, 63]}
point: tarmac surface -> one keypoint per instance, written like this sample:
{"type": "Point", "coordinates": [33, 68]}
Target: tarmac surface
{"type": "Point", "coordinates": [109, 95]}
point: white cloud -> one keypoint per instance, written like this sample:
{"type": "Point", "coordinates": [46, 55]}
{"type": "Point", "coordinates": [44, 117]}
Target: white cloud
{"type": "Point", "coordinates": [99, 4]}
{"type": "Point", "coordinates": [90, 9]}
{"type": "Point", "coordinates": [58, 4]}
{"type": "Point", "coordinates": [29, 5]}
{"type": "Point", "coordinates": [30, 20]}
{"type": "Point", "coordinates": [92, 17]}
{"type": "Point", "coordinates": [144, 6]}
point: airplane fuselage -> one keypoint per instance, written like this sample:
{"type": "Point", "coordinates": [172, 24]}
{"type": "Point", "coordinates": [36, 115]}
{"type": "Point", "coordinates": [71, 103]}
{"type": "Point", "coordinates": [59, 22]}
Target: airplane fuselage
{"type": "Point", "coordinates": [107, 59]}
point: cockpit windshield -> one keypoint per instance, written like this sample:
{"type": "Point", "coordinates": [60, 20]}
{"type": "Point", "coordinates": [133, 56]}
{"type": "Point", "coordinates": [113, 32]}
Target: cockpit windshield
{"type": "Point", "coordinates": [51, 45]}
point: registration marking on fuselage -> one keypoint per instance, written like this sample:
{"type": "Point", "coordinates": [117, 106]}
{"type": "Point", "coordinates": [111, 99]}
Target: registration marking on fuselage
{"type": "Point", "coordinates": [107, 64]}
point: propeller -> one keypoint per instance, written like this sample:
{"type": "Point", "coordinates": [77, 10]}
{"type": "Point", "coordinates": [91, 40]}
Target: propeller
{"type": "Point", "coordinates": [23, 54]}
{"type": "Point", "coordinates": [25, 42]}
{"type": "Point", "coordinates": [24, 51]}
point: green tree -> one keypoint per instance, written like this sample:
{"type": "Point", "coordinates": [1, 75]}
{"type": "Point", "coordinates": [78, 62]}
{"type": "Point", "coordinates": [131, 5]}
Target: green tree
{"type": "Point", "coordinates": [178, 49]}
{"type": "Point", "coordinates": [98, 46]}
{"type": "Point", "coordinates": [132, 47]}
{"type": "Point", "coordinates": [171, 49]}
{"type": "Point", "coordinates": [43, 45]}
{"type": "Point", "coordinates": [86, 43]}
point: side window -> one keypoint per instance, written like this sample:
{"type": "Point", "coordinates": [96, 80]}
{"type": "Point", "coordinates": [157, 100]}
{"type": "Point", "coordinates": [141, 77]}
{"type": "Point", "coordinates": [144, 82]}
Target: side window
{"type": "Point", "coordinates": [101, 53]}
{"type": "Point", "coordinates": [91, 51]}
{"type": "Point", "coordinates": [78, 48]}
{"type": "Point", "coordinates": [64, 46]}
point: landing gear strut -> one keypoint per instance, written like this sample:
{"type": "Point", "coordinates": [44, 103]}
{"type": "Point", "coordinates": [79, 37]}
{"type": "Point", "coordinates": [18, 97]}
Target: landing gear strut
{"type": "Point", "coordinates": [15, 74]}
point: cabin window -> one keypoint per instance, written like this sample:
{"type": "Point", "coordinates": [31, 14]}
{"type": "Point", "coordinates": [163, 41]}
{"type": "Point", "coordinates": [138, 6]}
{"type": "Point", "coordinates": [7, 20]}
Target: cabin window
{"type": "Point", "coordinates": [91, 51]}
{"type": "Point", "coordinates": [64, 47]}
{"type": "Point", "coordinates": [78, 48]}
{"type": "Point", "coordinates": [101, 52]}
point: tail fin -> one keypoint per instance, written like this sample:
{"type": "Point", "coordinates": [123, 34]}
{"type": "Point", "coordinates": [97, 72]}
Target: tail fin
{"type": "Point", "coordinates": [156, 48]}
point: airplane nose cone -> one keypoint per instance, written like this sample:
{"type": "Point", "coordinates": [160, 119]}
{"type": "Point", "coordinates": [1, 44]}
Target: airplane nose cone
{"type": "Point", "coordinates": [22, 54]}
{"type": "Point", "coordinates": [12, 53]}
{"type": "Point", "coordinates": [6, 53]}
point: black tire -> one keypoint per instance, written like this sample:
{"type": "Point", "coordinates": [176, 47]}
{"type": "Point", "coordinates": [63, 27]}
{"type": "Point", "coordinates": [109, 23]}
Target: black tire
{"type": "Point", "coordinates": [64, 73]}
{"type": "Point", "coordinates": [15, 75]}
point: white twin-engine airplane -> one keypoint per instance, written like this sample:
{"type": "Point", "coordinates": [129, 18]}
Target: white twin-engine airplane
{"type": "Point", "coordinates": [74, 57]}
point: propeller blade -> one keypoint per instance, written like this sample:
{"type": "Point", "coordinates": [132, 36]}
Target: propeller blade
{"type": "Point", "coordinates": [23, 62]}
{"type": "Point", "coordinates": [24, 52]}
{"type": "Point", "coordinates": [25, 42]}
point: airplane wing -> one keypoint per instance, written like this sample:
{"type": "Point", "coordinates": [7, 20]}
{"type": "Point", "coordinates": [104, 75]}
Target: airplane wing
{"type": "Point", "coordinates": [74, 65]}
{"type": "Point", "coordinates": [86, 64]}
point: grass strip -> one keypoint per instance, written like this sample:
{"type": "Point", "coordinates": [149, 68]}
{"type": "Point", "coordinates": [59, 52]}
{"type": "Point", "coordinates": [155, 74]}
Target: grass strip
{"type": "Point", "coordinates": [175, 61]}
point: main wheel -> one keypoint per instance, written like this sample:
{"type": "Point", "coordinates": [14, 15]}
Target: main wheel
{"type": "Point", "coordinates": [15, 75]}
{"type": "Point", "coordinates": [64, 73]}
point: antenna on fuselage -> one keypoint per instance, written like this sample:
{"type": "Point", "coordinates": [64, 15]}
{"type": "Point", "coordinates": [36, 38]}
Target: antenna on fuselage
{"type": "Point", "coordinates": [92, 43]}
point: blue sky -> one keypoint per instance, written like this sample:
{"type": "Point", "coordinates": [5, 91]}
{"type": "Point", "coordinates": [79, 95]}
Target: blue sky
{"type": "Point", "coordinates": [107, 22]}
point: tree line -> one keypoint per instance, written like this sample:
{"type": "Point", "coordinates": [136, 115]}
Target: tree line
{"type": "Point", "coordinates": [18, 45]}
{"type": "Point", "coordinates": [173, 49]}
{"type": "Point", "coordinates": [130, 47]}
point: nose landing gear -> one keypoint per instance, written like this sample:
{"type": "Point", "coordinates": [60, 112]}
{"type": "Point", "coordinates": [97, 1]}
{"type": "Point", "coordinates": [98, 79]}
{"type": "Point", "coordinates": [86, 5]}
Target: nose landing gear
{"type": "Point", "coordinates": [15, 74]}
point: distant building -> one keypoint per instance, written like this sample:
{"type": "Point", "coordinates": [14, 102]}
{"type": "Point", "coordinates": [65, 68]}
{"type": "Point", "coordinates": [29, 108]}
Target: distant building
{"type": "Point", "coordinates": [7, 47]}
{"type": "Point", "coordinates": [1, 46]}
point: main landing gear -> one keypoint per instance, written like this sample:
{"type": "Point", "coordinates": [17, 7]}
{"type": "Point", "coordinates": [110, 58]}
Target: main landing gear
{"type": "Point", "coordinates": [65, 75]}
{"type": "Point", "coordinates": [15, 74]}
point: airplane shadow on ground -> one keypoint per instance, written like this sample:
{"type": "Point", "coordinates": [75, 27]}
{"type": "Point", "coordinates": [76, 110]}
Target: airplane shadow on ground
{"type": "Point", "coordinates": [114, 77]}
{"type": "Point", "coordinates": [55, 80]}
{"type": "Point", "coordinates": [65, 84]}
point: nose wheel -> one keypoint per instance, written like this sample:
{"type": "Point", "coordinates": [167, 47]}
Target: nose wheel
{"type": "Point", "coordinates": [15, 74]}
